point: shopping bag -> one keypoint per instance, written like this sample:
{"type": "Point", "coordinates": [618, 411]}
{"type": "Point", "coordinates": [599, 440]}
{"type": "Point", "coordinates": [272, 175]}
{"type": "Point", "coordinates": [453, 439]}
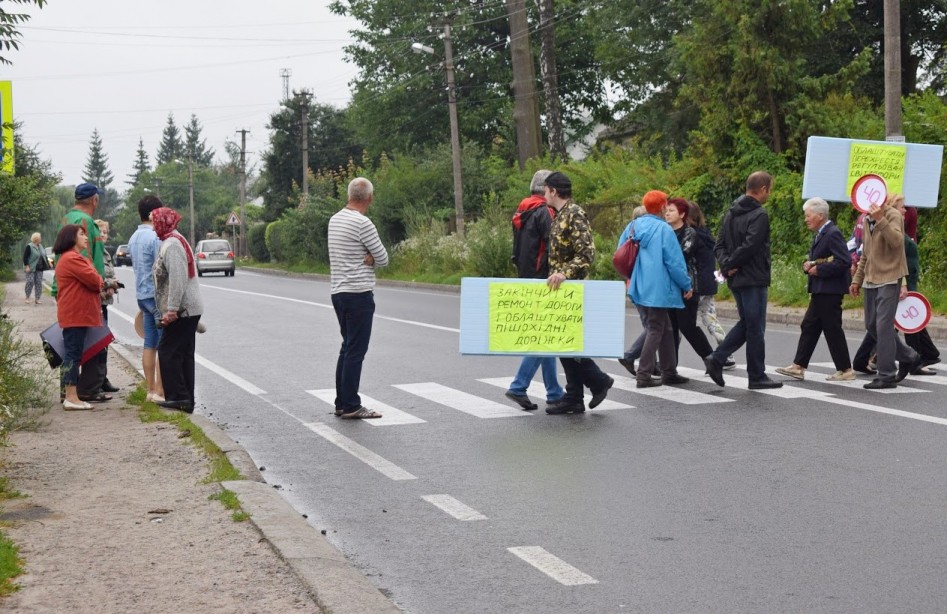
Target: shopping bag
{"type": "Point", "coordinates": [96, 339]}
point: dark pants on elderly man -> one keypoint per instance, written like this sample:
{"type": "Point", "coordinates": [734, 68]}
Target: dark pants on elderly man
{"type": "Point", "coordinates": [824, 316]}
{"type": "Point", "coordinates": [355, 311]}
{"type": "Point", "coordinates": [582, 373]}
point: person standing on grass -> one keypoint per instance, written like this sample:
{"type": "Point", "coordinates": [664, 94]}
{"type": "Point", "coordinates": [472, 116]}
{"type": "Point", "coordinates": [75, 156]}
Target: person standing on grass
{"type": "Point", "coordinates": [143, 246]}
{"type": "Point", "coordinates": [355, 251]}
{"type": "Point", "coordinates": [34, 263]}
{"type": "Point", "coordinates": [828, 268]}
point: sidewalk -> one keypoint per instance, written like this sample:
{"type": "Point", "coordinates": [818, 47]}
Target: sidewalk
{"type": "Point", "coordinates": [116, 517]}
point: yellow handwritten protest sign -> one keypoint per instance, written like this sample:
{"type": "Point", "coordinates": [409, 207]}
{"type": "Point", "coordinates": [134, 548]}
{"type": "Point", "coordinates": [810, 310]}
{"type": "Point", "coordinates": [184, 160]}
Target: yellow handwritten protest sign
{"type": "Point", "coordinates": [6, 117]}
{"type": "Point", "coordinates": [885, 160]}
{"type": "Point", "coordinates": [529, 317]}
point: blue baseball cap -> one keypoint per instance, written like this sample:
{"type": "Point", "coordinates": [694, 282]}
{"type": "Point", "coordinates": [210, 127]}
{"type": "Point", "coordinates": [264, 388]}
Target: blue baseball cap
{"type": "Point", "coordinates": [86, 190]}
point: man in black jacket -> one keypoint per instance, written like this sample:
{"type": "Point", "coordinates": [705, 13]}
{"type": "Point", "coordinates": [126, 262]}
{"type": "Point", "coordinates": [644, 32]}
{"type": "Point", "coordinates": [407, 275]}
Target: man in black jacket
{"type": "Point", "coordinates": [829, 275]}
{"type": "Point", "coordinates": [742, 250]}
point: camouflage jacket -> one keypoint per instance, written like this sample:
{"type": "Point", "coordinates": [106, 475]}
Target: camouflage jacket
{"type": "Point", "coordinates": [571, 248]}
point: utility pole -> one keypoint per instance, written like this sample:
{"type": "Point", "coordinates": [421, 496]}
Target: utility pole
{"type": "Point", "coordinates": [306, 97]}
{"type": "Point", "coordinates": [892, 21]}
{"type": "Point", "coordinates": [284, 74]}
{"type": "Point", "coordinates": [454, 129]}
{"type": "Point", "coordinates": [158, 187]}
{"type": "Point", "coordinates": [242, 249]}
{"type": "Point", "coordinates": [550, 74]}
{"type": "Point", "coordinates": [525, 105]}
{"type": "Point", "coordinates": [190, 197]}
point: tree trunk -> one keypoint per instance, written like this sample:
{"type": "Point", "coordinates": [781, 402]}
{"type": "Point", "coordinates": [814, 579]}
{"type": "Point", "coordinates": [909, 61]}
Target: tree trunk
{"type": "Point", "coordinates": [525, 105]}
{"type": "Point", "coordinates": [550, 75]}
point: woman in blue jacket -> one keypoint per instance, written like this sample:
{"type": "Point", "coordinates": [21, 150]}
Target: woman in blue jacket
{"type": "Point", "coordinates": [659, 282]}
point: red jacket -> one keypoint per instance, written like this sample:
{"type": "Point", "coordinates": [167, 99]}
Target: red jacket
{"type": "Point", "coordinates": [77, 302]}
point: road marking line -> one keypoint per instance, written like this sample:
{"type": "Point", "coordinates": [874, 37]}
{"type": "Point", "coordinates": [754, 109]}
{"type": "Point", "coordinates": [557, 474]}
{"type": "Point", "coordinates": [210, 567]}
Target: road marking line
{"type": "Point", "coordinates": [390, 415]}
{"type": "Point", "coordinates": [552, 566]}
{"type": "Point", "coordinates": [454, 507]}
{"type": "Point", "coordinates": [538, 391]}
{"type": "Point", "coordinates": [915, 379]}
{"type": "Point", "coordinates": [733, 381]}
{"type": "Point", "coordinates": [376, 462]}
{"type": "Point", "coordinates": [885, 410]}
{"type": "Point", "coordinates": [329, 306]}
{"type": "Point", "coordinates": [461, 401]}
{"type": "Point", "coordinates": [856, 384]}
{"type": "Point", "coordinates": [231, 377]}
{"type": "Point", "coordinates": [668, 393]}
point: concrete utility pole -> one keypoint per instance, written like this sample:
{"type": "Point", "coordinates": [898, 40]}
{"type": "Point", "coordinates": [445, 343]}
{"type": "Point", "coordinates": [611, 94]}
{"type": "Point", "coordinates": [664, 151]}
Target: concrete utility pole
{"type": "Point", "coordinates": [242, 249]}
{"type": "Point", "coordinates": [190, 197]}
{"type": "Point", "coordinates": [525, 103]}
{"type": "Point", "coordinates": [454, 129]}
{"type": "Point", "coordinates": [892, 20]}
{"type": "Point", "coordinates": [306, 96]}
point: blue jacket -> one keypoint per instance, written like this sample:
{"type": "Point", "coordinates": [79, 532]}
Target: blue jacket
{"type": "Point", "coordinates": [660, 277]}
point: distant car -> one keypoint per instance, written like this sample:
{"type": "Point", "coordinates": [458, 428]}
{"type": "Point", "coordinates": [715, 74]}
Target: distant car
{"type": "Point", "coordinates": [215, 256]}
{"type": "Point", "coordinates": [123, 256]}
{"type": "Point", "coordinates": [50, 257]}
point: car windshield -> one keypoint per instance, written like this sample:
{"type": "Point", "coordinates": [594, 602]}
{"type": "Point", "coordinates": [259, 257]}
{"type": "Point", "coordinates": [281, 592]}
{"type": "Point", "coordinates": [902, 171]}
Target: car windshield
{"type": "Point", "coordinates": [215, 246]}
{"type": "Point", "coordinates": [123, 248]}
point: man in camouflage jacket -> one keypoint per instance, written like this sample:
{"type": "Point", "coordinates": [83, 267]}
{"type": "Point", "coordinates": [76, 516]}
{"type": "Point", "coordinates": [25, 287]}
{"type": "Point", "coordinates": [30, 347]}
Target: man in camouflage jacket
{"type": "Point", "coordinates": [571, 251]}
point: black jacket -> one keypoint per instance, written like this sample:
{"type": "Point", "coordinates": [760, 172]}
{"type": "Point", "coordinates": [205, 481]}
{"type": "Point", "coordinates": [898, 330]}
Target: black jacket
{"type": "Point", "coordinates": [834, 277]}
{"type": "Point", "coordinates": [706, 283]}
{"type": "Point", "coordinates": [533, 261]}
{"type": "Point", "coordinates": [743, 244]}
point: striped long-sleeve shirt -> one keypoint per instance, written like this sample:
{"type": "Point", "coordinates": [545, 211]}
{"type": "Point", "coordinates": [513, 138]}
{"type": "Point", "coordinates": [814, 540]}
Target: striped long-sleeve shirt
{"type": "Point", "coordinates": [351, 237]}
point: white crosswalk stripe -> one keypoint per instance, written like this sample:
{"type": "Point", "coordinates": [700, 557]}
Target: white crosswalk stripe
{"type": "Point", "coordinates": [818, 378]}
{"type": "Point", "coordinates": [682, 395]}
{"type": "Point", "coordinates": [537, 392]}
{"type": "Point", "coordinates": [390, 416]}
{"type": "Point", "coordinates": [940, 380]}
{"type": "Point", "coordinates": [461, 401]}
{"type": "Point", "coordinates": [742, 383]}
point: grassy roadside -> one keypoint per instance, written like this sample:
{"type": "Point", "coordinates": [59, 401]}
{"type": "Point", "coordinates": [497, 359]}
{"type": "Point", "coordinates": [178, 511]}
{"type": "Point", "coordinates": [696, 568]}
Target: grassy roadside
{"type": "Point", "coordinates": [221, 470]}
{"type": "Point", "coordinates": [11, 565]}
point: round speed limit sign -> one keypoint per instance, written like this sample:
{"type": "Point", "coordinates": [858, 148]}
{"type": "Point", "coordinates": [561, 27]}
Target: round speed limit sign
{"type": "Point", "coordinates": [913, 314]}
{"type": "Point", "coordinates": [869, 190]}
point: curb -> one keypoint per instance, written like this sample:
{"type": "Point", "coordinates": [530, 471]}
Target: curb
{"type": "Point", "coordinates": [334, 583]}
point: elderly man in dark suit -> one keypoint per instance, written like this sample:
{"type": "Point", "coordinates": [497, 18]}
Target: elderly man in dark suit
{"type": "Point", "coordinates": [829, 271]}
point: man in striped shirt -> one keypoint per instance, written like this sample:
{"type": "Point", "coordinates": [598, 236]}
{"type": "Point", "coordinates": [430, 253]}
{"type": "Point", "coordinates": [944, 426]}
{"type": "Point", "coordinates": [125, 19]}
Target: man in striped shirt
{"type": "Point", "coordinates": [355, 251]}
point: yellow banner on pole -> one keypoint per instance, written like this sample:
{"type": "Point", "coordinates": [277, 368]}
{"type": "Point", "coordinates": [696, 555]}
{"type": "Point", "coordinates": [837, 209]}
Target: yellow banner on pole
{"type": "Point", "coordinates": [529, 317]}
{"type": "Point", "coordinates": [6, 117]}
{"type": "Point", "coordinates": [888, 161]}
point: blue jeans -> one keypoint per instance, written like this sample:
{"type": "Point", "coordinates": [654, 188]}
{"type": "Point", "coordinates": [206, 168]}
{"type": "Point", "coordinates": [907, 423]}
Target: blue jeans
{"type": "Point", "coordinates": [73, 339]}
{"type": "Point", "coordinates": [150, 316]}
{"type": "Point", "coordinates": [528, 369]}
{"type": "Point", "coordinates": [354, 311]}
{"type": "Point", "coordinates": [751, 330]}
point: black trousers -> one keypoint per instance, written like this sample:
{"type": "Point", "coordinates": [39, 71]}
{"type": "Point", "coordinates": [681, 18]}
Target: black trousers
{"type": "Point", "coordinates": [94, 372]}
{"type": "Point", "coordinates": [581, 373]}
{"type": "Point", "coordinates": [176, 359]}
{"type": "Point", "coordinates": [684, 322]}
{"type": "Point", "coordinates": [922, 344]}
{"type": "Point", "coordinates": [823, 317]}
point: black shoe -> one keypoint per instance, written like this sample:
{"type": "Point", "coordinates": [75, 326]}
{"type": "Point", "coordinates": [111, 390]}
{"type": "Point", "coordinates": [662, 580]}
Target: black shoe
{"type": "Point", "coordinates": [905, 367]}
{"type": "Point", "coordinates": [598, 397]}
{"type": "Point", "coordinates": [109, 387]}
{"type": "Point", "coordinates": [764, 384]}
{"type": "Point", "coordinates": [185, 406]}
{"type": "Point", "coordinates": [730, 364]}
{"type": "Point", "coordinates": [629, 366]}
{"type": "Point", "coordinates": [674, 379]}
{"type": "Point", "coordinates": [647, 383]}
{"type": "Point", "coordinates": [865, 369]}
{"type": "Point", "coordinates": [929, 361]}
{"type": "Point", "coordinates": [879, 384]}
{"type": "Point", "coordinates": [714, 370]}
{"type": "Point", "coordinates": [522, 400]}
{"type": "Point", "coordinates": [565, 407]}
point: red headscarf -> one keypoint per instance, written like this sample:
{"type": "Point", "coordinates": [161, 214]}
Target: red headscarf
{"type": "Point", "coordinates": [165, 222]}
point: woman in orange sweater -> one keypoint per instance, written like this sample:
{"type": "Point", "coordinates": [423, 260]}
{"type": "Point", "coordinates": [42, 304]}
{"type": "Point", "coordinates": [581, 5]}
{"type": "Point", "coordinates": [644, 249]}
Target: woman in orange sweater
{"type": "Point", "coordinates": [77, 306]}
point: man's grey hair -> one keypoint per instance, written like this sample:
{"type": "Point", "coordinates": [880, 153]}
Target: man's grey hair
{"type": "Point", "coordinates": [360, 190]}
{"type": "Point", "coordinates": [818, 206]}
{"type": "Point", "coordinates": [538, 184]}
{"type": "Point", "coordinates": [638, 212]}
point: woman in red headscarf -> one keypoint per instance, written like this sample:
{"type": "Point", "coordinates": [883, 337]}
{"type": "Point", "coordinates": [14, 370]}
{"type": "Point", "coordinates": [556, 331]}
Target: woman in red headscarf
{"type": "Point", "coordinates": [178, 297]}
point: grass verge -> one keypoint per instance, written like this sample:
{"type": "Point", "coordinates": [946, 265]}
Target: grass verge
{"type": "Point", "coordinates": [220, 468]}
{"type": "Point", "coordinates": [11, 565]}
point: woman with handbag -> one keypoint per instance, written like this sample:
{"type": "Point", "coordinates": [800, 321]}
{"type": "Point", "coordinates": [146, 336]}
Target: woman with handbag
{"type": "Point", "coordinates": [684, 321]}
{"type": "Point", "coordinates": [77, 306]}
{"type": "Point", "coordinates": [34, 263]}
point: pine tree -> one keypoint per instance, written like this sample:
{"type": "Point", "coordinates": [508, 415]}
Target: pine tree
{"type": "Point", "coordinates": [171, 146]}
{"type": "Point", "coordinates": [141, 165]}
{"type": "Point", "coordinates": [195, 148]}
{"type": "Point", "coordinates": [97, 165]}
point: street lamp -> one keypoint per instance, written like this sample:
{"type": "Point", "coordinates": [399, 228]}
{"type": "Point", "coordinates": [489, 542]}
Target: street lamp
{"type": "Point", "coordinates": [454, 131]}
{"type": "Point", "coordinates": [190, 196]}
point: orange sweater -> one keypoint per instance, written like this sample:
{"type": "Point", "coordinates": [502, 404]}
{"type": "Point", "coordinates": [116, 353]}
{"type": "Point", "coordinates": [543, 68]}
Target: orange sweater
{"type": "Point", "coordinates": [78, 302]}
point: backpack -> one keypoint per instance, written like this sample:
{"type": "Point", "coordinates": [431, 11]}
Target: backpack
{"type": "Point", "coordinates": [520, 219]}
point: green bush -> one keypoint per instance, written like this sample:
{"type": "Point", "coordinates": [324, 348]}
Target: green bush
{"type": "Point", "coordinates": [429, 252]}
{"type": "Point", "coordinates": [256, 241]}
{"type": "Point", "coordinates": [277, 237]}
{"type": "Point", "coordinates": [490, 243]}
{"type": "Point", "coordinates": [25, 382]}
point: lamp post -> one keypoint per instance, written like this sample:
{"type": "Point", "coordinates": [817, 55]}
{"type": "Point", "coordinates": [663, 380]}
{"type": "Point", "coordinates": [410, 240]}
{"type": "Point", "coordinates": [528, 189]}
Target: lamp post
{"type": "Point", "coordinates": [454, 130]}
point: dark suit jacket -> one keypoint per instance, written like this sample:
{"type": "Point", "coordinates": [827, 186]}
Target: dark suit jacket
{"type": "Point", "coordinates": [834, 277]}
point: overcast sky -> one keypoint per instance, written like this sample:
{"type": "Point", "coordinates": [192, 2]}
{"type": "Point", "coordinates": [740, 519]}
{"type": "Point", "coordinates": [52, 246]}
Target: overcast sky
{"type": "Point", "coordinates": [121, 66]}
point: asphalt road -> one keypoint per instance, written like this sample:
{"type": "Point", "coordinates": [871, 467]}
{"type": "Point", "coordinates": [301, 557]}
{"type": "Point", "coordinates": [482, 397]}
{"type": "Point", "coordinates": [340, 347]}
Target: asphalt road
{"type": "Point", "coordinates": [817, 497]}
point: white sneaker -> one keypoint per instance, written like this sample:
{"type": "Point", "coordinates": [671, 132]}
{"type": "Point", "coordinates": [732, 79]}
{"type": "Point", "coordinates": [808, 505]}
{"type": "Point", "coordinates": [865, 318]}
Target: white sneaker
{"type": "Point", "coordinates": [841, 376]}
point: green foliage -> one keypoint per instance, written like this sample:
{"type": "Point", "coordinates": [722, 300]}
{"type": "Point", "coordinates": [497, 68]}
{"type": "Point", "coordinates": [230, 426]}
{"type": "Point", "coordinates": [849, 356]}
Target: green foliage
{"type": "Point", "coordinates": [11, 566]}
{"type": "Point", "coordinates": [195, 147]}
{"type": "Point", "coordinates": [24, 382]}
{"type": "Point", "coordinates": [256, 237]}
{"type": "Point", "coordinates": [171, 146]}
{"type": "Point", "coordinates": [9, 33]}
{"type": "Point", "coordinates": [490, 243]}
{"type": "Point", "coordinates": [141, 165]}
{"type": "Point", "coordinates": [429, 251]}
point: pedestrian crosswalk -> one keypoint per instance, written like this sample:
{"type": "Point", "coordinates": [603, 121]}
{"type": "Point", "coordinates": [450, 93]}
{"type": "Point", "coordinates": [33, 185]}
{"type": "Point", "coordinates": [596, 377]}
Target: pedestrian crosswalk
{"type": "Point", "coordinates": [433, 399]}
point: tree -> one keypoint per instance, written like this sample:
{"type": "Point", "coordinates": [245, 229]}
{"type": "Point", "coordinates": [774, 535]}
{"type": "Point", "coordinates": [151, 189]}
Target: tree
{"type": "Point", "coordinates": [195, 148]}
{"type": "Point", "coordinates": [171, 146]}
{"type": "Point", "coordinates": [9, 33]}
{"type": "Point", "coordinates": [97, 164]}
{"type": "Point", "coordinates": [26, 196]}
{"type": "Point", "coordinates": [141, 165]}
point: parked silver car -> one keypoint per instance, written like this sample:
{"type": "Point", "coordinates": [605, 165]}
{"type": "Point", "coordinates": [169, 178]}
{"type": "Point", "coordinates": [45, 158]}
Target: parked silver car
{"type": "Point", "coordinates": [214, 256]}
